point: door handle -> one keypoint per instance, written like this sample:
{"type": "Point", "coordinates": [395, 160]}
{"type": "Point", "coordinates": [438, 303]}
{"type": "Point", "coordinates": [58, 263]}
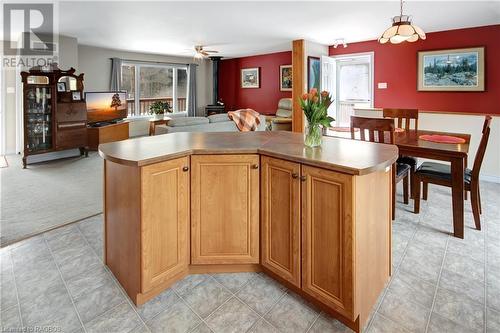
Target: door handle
{"type": "Point", "coordinates": [303, 178]}
{"type": "Point", "coordinates": [255, 166]}
{"type": "Point", "coordinates": [295, 175]}
{"type": "Point", "coordinates": [186, 168]}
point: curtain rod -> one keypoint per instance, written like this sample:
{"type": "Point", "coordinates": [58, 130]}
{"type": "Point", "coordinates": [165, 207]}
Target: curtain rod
{"type": "Point", "coordinates": [155, 62]}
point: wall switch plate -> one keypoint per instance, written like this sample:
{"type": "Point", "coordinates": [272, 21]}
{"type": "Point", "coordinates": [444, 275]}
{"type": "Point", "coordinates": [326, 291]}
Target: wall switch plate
{"type": "Point", "coordinates": [382, 85]}
{"type": "Point", "coordinates": [11, 90]}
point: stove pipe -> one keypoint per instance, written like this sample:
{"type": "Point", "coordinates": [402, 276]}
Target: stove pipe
{"type": "Point", "coordinates": [215, 73]}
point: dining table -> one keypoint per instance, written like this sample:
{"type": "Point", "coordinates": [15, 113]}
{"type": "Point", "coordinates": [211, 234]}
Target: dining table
{"type": "Point", "coordinates": [409, 143]}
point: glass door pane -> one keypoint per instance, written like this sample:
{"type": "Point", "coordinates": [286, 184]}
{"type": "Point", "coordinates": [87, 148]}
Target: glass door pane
{"type": "Point", "coordinates": [128, 85]}
{"type": "Point", "coordinates": [155, 84]}
{"type": "Point", "coordinates": [38, 118]}
{"type": "Point", "coordinates": [181, 89]}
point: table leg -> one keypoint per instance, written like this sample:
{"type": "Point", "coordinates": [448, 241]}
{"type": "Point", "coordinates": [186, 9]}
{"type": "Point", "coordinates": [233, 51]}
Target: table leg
{"type": "Point", "coordinates": [457, 180]}
{"type": "Point", "coordinates": [151, 128]}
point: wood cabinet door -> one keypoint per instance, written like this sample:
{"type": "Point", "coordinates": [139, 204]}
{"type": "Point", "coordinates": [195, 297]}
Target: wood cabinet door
{"type": "Point", "coordinates": [280, 218]}
{"type": "Point", "coordinates": [327, 238]}
{"type": "Point", "coordinates": [165, 221]}
{"type": "Point", "coordinates": [224, 209]}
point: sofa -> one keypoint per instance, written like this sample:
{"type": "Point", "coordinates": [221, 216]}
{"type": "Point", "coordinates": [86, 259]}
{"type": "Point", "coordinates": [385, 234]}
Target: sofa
{"type": "Point", "coordinates": [214, 123]}
{"type": "Point", "coordinates": [283, 119]}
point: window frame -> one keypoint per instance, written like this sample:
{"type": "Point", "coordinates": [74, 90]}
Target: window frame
{"type": "Point", "coordinates": [137, 72]}
{"type": "Point", "coordinates": [358, 58]}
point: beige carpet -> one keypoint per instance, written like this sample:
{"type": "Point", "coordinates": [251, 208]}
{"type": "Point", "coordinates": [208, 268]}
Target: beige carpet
{"type": "Point", "coordinates": [47, 195]}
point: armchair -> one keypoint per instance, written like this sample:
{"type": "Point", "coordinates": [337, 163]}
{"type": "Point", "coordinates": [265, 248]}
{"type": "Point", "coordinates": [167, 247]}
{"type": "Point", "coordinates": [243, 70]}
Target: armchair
{"type": "Point", "coordinates": [283, 119]}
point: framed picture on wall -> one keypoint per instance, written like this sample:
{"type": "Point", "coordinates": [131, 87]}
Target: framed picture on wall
{"type": "Point", "coordinates": [451, 70]}
{"type": "Point", "coordinates": [76, 96]}
{"type": "Point", "coordinates": [250, 77]}
{"type": "Point", "coordinates": [286, 77]}
{"type": "Point", "coordinates": [313, 72]}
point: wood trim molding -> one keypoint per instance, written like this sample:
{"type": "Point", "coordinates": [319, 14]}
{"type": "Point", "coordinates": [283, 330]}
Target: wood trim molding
{"type": "Point", "coordinates": [298, 77]}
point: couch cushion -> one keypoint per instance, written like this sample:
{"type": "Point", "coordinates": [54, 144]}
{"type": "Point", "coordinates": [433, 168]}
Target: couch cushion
{"type": "Point", "coordinates": [187, 121]}
{"type": "Point", "coordinates": [285, 103]}
{"type": "Point", "coordinates": [217, 118]}
{"type": "Point", "coordinates": [282, 113]}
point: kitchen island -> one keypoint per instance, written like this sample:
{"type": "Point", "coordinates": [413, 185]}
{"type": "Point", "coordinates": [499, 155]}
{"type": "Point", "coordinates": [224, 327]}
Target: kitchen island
{"type": "Point", "coordinates": [317, 220]}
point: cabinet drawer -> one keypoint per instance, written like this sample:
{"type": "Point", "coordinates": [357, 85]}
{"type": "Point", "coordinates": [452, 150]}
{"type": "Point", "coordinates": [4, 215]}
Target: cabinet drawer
{"type": "Point", "coordinates": [71, 135]}
{"type": "Point", "coordinates": [71, 112]}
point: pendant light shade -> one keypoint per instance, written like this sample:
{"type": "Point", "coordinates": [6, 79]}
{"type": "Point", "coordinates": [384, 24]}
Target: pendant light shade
{"type": "Point", "coordinates": [402, 30]}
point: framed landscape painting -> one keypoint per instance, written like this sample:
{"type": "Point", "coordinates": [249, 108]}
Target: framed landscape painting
{"type": "Point", "coordinates": [286, 78]}
{"type": "Point", "coordinates": [313, 72]}
{"type": "Point", "coordinates": [250, 77]}
{"type": "Point", "coordinates": [451, 70]}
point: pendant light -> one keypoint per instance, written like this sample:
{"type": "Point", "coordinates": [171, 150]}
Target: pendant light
{"type": "Point", "coordinates": [402, 30]}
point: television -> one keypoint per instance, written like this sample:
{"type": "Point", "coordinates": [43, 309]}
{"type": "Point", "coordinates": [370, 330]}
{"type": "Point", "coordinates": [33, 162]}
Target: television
{"type": "Point", "coordinates": [106, 106]}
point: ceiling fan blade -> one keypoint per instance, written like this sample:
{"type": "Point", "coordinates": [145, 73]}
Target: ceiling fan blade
{"type": "Point", "coordinates": [211, 51]}
{"type": "Point", "coordinates": [204, 53]}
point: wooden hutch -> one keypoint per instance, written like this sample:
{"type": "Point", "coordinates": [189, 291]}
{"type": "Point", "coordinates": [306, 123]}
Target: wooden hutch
{"type": "Point", "coordinates": [55, 113]}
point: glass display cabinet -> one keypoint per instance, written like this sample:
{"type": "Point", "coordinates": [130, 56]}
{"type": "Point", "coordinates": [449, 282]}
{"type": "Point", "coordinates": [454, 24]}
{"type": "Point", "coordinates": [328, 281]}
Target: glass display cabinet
{"type": "Point", "coordinates": [55, 115]}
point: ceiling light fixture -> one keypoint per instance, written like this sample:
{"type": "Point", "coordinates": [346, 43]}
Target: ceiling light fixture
{"type": "Point", "coordinates": [402, 30]}
{"type": "Point", "coordinates": [339, 41]}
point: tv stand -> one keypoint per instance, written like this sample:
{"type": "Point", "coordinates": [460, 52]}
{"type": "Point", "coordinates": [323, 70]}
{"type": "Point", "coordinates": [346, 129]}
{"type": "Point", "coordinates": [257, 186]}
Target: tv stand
{"type": "Point", "coordinates": [107, 132]}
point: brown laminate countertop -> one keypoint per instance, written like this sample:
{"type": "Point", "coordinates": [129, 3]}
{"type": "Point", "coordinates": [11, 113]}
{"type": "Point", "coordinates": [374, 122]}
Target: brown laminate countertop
{"type": "Point", "coordinates": [342, 155]}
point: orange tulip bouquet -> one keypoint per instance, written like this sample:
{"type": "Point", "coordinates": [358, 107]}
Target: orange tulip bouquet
{"type": "Point", "coordinates": [315, 107]}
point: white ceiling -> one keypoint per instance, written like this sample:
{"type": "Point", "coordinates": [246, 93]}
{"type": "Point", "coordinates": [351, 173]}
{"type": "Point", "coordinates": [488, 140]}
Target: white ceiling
{"type": "Point", "coordinates": [248, 28]}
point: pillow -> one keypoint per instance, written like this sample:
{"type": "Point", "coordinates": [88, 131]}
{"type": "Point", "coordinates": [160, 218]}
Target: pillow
{"type": "Point", "coordinates": [187, 121]}
{"type": "Point", "coordinates": [218, 118]}
{"type": "Point", "coordinates": [284, 113]}
{"type": "Point", "coordinates": [285, 103]}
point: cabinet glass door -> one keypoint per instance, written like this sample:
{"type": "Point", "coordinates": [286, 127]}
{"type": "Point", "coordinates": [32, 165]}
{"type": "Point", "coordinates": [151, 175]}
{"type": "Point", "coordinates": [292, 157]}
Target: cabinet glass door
{"type": "Point", "coordinates": [38, 118]}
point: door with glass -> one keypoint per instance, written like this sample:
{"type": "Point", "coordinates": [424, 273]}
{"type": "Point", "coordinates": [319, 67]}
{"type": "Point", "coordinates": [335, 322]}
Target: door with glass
{"type": "Point", "coordinates": [38, 118]}
{"type": "Point", "coordinates": [353, 85]}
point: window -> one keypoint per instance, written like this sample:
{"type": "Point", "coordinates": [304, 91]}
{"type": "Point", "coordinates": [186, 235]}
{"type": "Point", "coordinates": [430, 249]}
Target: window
{"type": "Point", "coordinates": [154, 82]}
{"type": "Point", "coordinates": [354, 85]}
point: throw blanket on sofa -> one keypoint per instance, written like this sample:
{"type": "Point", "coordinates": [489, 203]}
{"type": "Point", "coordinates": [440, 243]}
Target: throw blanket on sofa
{"type": "Point", "coordinates": [245, 119]}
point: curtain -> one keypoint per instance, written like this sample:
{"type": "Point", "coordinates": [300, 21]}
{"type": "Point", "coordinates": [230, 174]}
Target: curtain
{"type": "Point", "coordinates": [116, 74]}
{"type": "Point", "coordinates": [192, 105]}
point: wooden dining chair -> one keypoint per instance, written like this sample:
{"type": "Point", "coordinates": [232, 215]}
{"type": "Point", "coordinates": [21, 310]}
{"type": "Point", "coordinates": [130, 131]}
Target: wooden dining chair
{"type": "Point", "coordinates": [382, 131]}
{"type": "Point", "coordinates": [404, 119]}
{"type": "Point", "coordinates": [440, 174]}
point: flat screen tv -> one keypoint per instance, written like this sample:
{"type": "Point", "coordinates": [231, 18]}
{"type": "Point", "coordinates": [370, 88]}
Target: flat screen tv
{"type": "Point", "coordinates": [106, 106]}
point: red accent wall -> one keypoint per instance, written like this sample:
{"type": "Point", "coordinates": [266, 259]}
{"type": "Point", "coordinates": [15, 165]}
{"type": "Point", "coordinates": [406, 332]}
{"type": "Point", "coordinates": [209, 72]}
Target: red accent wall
{"type": "Point", "coordinates": [397, 65]}
{"type": "Point", "coordinates": [264, 99]}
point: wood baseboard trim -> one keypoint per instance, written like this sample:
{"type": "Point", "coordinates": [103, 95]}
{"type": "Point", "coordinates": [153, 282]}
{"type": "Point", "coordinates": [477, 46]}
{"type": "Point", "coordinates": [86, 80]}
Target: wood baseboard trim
{"type": "Point", "coordinates": [234, 268]}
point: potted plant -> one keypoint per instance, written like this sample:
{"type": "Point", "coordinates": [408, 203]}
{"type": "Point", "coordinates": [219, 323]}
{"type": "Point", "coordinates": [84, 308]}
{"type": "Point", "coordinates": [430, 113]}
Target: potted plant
{"type": "Point", "coordinates": [159, 108]}
{"type": "Point", "coordinates": [315, 107]}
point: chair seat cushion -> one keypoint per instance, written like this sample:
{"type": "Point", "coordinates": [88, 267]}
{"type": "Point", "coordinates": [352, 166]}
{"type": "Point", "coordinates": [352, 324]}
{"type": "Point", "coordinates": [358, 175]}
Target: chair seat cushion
{"type": "Point", "coordinates": [440, 171]}
{"type": "Point", "coordinates": [411, 161]}
{"type": "Point", "coordinates": [402, 169]}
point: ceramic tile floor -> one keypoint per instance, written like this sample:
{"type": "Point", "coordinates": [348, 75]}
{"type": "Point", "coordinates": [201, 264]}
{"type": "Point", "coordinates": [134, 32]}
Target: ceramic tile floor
{"type": "Point", "coordinates": [440, 284]}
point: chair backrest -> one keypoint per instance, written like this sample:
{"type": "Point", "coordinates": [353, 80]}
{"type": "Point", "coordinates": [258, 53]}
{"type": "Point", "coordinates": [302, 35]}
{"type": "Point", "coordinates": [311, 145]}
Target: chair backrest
{"type": "Point", "coordinates": [478, 160]}
{"type": "Point", "coordinates": [383, 127]}
{"type": "Point", "coordinates": [284, 108]}
{"type": "Point", "coordinates": [400, 114]}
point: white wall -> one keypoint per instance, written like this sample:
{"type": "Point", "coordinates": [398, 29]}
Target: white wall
{"type": "Point", "coordinates": [455, 123]}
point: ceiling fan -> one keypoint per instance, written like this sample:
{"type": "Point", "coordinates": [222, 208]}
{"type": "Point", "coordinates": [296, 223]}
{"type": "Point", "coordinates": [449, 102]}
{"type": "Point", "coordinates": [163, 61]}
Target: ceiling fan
{"type": "Point", "coordinates": [201, 53]}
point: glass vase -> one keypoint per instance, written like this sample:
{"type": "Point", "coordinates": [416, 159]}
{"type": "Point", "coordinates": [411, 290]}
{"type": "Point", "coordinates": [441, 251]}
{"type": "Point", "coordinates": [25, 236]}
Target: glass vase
{"type": "Point", "coordinates": [313, 135]}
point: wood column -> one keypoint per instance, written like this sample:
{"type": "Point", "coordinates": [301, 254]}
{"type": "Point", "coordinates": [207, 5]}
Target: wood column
{"type": "Point", "coordinates": [298, 77]}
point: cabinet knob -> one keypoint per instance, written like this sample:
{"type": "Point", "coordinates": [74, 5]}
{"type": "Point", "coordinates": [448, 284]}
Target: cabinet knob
{"type": "Point", "coordinates": [303, 178]}
{"type": "Point", "coordinates": [295, 175]}
{"type": "Point", "coordinates": [255, 166]}
{"type": "Point", "coordinates": [185, 168]}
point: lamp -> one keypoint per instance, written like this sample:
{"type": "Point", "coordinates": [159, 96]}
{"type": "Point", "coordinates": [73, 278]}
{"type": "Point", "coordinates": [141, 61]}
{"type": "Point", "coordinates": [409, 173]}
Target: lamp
{"type": "Point", "coordinates": [402, 30]}
{"type": "Point", "coordinates": [338, 42]}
